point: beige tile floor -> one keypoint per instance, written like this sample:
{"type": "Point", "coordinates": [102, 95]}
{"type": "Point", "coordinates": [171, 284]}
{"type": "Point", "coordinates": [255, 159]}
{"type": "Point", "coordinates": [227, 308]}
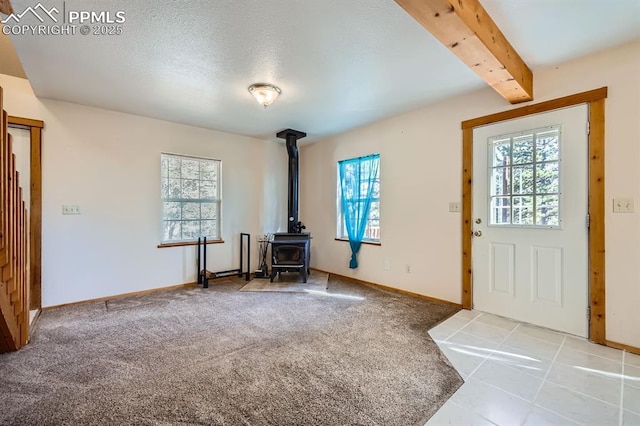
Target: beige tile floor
{"type": "Point", "coordinates": [518, 374]}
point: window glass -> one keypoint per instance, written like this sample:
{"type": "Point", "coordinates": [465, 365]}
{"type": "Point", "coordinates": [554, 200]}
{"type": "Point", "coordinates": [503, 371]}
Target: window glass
{"type": "Point", "coordinates": [359, 170]}
{"type": "Point", "coordinates": [524, 178]}
{"type": "Point", "coordinates": [190, 191]}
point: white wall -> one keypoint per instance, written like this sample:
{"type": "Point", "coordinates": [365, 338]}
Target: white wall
{"type": "Point", "coordinates": [421, 161]}
{"type": "Point", "coordinates": [108, 163]}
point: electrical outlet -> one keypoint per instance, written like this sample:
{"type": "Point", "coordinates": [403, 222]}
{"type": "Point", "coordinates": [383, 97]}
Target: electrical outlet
{"type": "Point", "coordinates": [454, 207]}
{"type": "Point", "coordinates": [70, 210]}
{"type": "Point", "coordinates": [408, 268]}
{"type": "Point", "coordinates": [623, 205]}
{"type": "Point", "coordinates": [387, 265]}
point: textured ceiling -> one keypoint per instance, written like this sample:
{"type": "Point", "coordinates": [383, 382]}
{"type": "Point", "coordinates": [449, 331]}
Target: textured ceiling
{"type": "Point", "coordinates": [547, 32]}
{"type": "Point", "coordinates": [340, 64]}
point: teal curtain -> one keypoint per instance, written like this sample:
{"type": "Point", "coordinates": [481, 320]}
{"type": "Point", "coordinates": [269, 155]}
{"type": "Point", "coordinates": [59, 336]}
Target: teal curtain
{"type": "Point", "coordinates": [357, 179]}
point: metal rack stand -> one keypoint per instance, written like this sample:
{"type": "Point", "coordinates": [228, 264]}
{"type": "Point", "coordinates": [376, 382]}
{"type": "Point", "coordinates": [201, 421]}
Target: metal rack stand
{"type": "Point", "coordinates": [204, 276]}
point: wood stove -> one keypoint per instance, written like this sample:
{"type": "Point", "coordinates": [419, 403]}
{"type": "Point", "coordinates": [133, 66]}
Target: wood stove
{"type": "Point", "coordinates": [291, 251]}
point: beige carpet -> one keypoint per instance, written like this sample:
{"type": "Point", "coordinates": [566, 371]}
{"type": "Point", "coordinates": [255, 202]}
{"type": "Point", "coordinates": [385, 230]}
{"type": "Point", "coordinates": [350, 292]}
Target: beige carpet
{"type": "Point", "coordinates": [353, 355]}
{"type": "Point", "coordinates": [290, 283]}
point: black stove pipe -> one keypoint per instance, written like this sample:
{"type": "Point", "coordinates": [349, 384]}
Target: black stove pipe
{"type": "Point", "coordinates": [291, 136]}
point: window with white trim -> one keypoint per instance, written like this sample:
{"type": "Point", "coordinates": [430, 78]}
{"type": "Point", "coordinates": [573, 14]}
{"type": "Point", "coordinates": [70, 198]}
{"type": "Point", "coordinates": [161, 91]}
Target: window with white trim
{"type": "Point", "coordinates": [360, 166]}
{"type": "Point", "coordinates": [190, 190]}
{"type": "Point", "coordinates": [524, 178]}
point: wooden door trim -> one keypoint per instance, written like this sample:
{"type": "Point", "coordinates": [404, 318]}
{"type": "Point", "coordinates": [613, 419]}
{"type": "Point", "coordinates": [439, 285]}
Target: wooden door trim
{"type": "Point", "coordinates": [564, 102]}
{"type": "Point", "coordinates": [595, 99]}
{"type": "Point", "coordinates": [35, 209]}
{"type": "Point", "coordinates": [25, 123]}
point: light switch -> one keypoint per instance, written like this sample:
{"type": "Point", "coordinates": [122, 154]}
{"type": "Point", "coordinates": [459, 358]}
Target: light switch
{"type": "Point", "coordinates": [623, 205]}
{"type": "Point", "coordinates": [70, 210]}
{"type": "Point", "coordinates": [454, 206]}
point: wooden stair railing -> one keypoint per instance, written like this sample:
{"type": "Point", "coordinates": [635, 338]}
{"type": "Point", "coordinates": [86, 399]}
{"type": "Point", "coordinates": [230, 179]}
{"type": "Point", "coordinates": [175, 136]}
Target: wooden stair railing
{"type": "Point", "coordinates": [14, 241]}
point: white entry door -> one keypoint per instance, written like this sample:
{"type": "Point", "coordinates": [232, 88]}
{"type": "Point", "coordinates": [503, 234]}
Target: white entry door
{"type": "Point", "coordinates": [530, 205]}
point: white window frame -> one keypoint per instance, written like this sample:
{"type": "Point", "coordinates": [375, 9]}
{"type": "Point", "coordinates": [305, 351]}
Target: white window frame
{"type": "Point", "coordinates": [490, 152]}
{"type": "Point", "coordinates": [216, 199]}
{"type": "Point", "coordinates": [341, 228]}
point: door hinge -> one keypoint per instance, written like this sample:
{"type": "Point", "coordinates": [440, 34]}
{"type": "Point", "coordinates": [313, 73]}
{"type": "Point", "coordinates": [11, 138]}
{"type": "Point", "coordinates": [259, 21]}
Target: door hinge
{"type": "Point", "coordinates": [588, 313]}
{"type": "Point", "coordinates": [588, 127]}
{"type": "Point", "coordinates": [588, 221]}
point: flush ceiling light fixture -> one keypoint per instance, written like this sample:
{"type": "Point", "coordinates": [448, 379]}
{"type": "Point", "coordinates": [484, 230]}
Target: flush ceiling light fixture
{"type": "Point", "coordinates": [265, 93]}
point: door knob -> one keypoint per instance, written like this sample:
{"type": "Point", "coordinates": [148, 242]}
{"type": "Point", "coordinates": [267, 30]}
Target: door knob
{"type": "Point", "coordinates": [478, 233]}
{"type": "Point", "coordinates": [478, 221]}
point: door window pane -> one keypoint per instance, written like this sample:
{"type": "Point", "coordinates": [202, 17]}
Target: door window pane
{"type": "Point", "coordinates": [500, 181]}
{"type": "Point", "coordinates": [501, 210]}
{"type": "Point", "coordinates": [547, 178]}
{"type": "Point", "coordinates": [547, 211]}
{"type": "Point", "coordinates": [501, 152]}
{"type": "Point", "coordinates": [523, 210]}
{"type": "Point", "coordinates": [548, 146]}
{"type": "Point", "coordinates": [523, 149]}
{"type": "Point", "coordinates": [524, 178]}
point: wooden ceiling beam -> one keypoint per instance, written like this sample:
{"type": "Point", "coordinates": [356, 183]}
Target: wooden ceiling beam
{"type": "Point", "coordinates": [5, 7]}
{"type": "Point", "coordinates": [469, 32]}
